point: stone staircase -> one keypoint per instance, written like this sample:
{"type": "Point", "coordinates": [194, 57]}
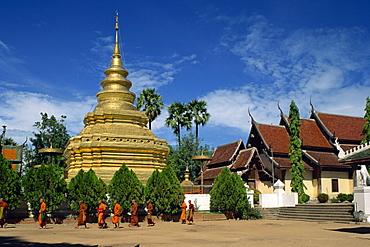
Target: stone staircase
{"type": "Point", "coordinates": [321, 212]}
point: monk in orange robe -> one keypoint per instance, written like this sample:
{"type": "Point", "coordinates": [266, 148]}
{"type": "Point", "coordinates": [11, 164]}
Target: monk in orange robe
{"type": "Point", "coordinates": [42, 214]}
{"type": "Point", "coordinates": [134, 219]}
{"type": "Point", "coordinates": [82, 215]}
{"type": "Point", "coordinates": [191, 213]}
{"type": "Point", "coordinates": [3, 207]}
{"type": "Point", "coordinates": [183, 212]}
{"type": "Point", "coordinates": [117, 214]}
{"type": "Point", "coordinates": [149, 208]}
{"type": "Point", "coordinates": [101, 215]}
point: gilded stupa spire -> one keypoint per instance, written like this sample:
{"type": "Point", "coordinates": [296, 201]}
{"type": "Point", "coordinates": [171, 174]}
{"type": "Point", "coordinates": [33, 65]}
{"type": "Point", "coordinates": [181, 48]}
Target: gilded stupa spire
{"type": "Point", "coordinates": [116, 94]}
{"type": "Point", "coordinates": [116, 132]}
{"type": "Point", "coordinates": [116, 51]}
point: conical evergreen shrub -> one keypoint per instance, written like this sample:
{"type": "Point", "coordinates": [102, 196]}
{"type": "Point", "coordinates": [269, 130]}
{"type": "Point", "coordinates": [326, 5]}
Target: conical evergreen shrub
{"type": "Point", "coordinates": [86, 186]}
{"type": "Point", "coordinates": [168, 192]}
{"type": "Point", "coordinates": [45, 182]}
{"type": "Point", "coordinates": [228, 194]}
{"type": "Point", "coordinates": [124, 187]}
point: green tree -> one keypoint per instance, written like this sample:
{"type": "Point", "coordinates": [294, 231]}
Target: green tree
{"type": "Point", "coordinates": [179, 117]}
{"type": "Point", "coordinates": [152, 103]}
{"type": "Point", "coordinates": [44, 182]}
{"type": "Point", "coordinates": [150, 187]}
{"type": "Point", "coordinates": [52, 133]}
{"type": "Point", "coordinates": [199, 114]}
{"type": "Point", "coordinates": [169, 192]}
{"type": "Point", "coordinates": [86, 187]}
{"type": "Point", "coordinates": [295, 153]}
{"type": "Point", "coordinates": [8, 142]}
{"type": "Point", "coordinates": [228, 194]}
{"type": "Point", "coordinates": [366, 131]}
{"type": "Point", "coordinates": [10, 185]}
{"type": "Point", "coordinates": [124, 187]}
{"type": "Point", "coordinates": [180, 156]}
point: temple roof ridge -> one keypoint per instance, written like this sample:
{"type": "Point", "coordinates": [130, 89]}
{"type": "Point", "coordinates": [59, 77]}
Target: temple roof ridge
{"type": "Point", "coordinates": [334, 114]}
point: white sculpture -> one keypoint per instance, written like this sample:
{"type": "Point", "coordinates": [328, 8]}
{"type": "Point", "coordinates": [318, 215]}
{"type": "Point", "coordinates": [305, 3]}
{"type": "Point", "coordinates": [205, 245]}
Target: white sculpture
{"type": "Point", "coordinates": [341, 151]}
{"type": "Point", "coordinates": [365, 177]}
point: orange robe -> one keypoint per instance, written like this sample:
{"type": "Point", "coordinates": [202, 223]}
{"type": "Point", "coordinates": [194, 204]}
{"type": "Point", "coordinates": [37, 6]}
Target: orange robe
{"type": "Point", "coordinates": [3, 207]}
{"type": "Point", "coordinates": [117, 213]}
{"type": "Point", "coordinates": [101, 214]}
{"type": "Point", "coordinates": [134, 219]}
{"type": "Point", "coordinates": [82, 215]}
{"type": "Point", "coordinates": [191, 212]}
{"type": "Point", "coordinates": [150, 213]}
{"type": "Point", "coordinates": [42, 215]}
{"type": "Point", "coordinates": [183, 212]}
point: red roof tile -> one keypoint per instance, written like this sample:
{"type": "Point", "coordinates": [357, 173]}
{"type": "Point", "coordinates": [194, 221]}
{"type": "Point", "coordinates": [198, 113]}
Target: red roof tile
{"type": "Point", "coordinates": [211, 173]}
{"type": "Point", "coordinates": [244, 157]}
{"type": "Point", "coordinates": [285, 163]}
{"type": "Point", "coordinates": [226, 153]}
{"type": "Point", "coordinates": [312, 136]}
{"type": "Point", "coordinates": [325, 159]}
{"type": "Point", "coordinates": [343, 127]}
{"type": "Point", "coordinates": [275, 135]}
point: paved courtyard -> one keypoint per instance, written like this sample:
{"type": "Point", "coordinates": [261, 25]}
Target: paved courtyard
{"type": "Point", "coordinates": [203, 233]}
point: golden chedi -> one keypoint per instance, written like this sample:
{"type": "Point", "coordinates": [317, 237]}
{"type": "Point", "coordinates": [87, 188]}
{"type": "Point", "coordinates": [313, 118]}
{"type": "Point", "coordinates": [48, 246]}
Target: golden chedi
{"type": "Point", "coordinates": [115, 132]}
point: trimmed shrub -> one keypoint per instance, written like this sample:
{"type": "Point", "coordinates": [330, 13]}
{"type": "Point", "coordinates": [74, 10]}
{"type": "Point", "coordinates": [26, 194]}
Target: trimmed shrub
{"type": "Point", "coordinates": [342, 197]}
{"type": "Point", "coordinates": [253, 214]}
{"type": "Point", "coordinates": [350, 197]}
{"type": "Point", "coordinates": [322, 197]}
{"type": "Point", "coordinates": [305, 198]}
{"type": "Point", "coordinates": [335, 200]}
{"type": "Point", "coordinates": [228, 195]}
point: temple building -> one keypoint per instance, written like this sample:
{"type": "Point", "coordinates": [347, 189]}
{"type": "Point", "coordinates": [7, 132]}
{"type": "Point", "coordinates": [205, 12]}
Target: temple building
{"type": "Point", "coordinates": [115, 132]}
{"type": "Point", "coordinates": [265, 159]}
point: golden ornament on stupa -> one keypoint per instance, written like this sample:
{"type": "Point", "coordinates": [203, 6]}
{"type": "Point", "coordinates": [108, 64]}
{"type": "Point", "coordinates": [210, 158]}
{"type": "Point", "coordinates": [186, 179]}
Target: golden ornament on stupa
{"type": "Point", "coordinates": [115, 132]}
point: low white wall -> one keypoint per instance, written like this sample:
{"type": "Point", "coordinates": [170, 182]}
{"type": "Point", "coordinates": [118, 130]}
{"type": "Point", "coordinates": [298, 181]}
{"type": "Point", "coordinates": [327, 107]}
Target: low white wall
{"type": "Point", "coordinates": [279, 198]}
{"type": "Point", "coordinates": [362, 199]}
{"type": "Point", "coordinates": [202, 200]}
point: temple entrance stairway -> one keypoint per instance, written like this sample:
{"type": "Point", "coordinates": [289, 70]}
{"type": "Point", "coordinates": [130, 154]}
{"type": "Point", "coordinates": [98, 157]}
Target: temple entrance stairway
{"type": "Point", "coordinates": [321, 212]}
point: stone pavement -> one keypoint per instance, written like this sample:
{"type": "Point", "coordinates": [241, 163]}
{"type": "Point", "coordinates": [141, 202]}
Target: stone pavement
{"type": "Point", "coordinates": [204, 233]}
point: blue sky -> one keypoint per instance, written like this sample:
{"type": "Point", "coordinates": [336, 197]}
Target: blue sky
{"type": "Point", "coordinates": [233, 54]}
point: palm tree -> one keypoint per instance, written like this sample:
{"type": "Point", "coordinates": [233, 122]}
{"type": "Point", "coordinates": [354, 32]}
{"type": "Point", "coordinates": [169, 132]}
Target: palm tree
{"type": "Point", "coordinates": [152, 103]}
{"type": "Point", "coordinates": [178, 117]}
{"type": "Point", "coordinates": [199, 114]}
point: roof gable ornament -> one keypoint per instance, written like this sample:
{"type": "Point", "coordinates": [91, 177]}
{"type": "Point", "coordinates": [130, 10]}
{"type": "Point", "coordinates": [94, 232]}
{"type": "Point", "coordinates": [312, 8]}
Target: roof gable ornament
{"type": "Point", "coordinates": [250, 115]}
{"type": "Point", "coordinates": [339, 148]}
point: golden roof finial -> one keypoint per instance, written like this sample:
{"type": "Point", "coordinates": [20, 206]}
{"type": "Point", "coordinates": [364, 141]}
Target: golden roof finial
{"type": "Point", "coordinates": [116, 51]}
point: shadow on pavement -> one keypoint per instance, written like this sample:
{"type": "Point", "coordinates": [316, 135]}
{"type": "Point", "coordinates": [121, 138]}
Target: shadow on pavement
{"type": "Point", "coordinates": [357, 230]}
{"type": "Point", "coordinates": [14, 241]}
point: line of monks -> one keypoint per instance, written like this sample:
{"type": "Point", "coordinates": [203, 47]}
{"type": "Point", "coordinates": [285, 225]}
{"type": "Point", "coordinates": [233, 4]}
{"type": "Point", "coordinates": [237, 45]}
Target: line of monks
{"type": "Point", "coordinates": [101, 214]}
{"type": "Point", "coordinates": [191, 210]}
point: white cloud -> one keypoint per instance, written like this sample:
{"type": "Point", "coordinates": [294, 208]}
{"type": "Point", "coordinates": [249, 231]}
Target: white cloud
{"type": "Point", "coordinates": [156, 72]}
{"type": "Point", "coordinates": [328, 66]}
{"type": "Point", "coordinates": [20, 110]}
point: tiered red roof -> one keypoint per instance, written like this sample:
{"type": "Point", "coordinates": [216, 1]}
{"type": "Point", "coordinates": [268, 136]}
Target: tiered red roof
{"type": "Point", "coordinates": [275, 135]}
{"type": "Point", "coordinates": [343, 127]}
{"type": "Point", "coordinates": [225, 153]}
{"type": "Point", "coordinates": [223, 156]}
{"type": "Point", "coordinates": [312, 136]}
{"type": "Point", "coordinates": [211, 173]}
{"type": "Point", "coordinates": [324, 158]}
{"type": "Point", "coordinates": [285, 163]}
{"type": "Point", "coordinates": [244, 157]}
